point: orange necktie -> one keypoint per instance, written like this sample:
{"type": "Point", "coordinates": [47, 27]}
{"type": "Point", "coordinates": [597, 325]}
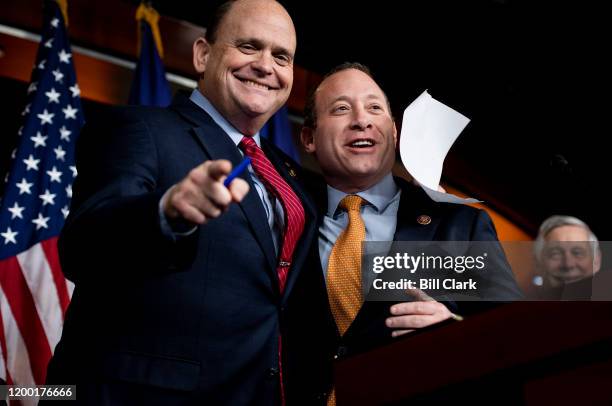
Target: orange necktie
{"type": "Point", "coordinates": [344, 267]}
{"type": "Point", "coordinates": [344, 271]}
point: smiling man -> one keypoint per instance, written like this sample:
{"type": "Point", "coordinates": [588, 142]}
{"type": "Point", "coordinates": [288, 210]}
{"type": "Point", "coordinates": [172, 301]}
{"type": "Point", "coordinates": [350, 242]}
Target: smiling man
{"type": "Point", "coordinates": [181, 281]}
{"type": "Point", "coordinates": [568, 261]}
{"type": "Point", "coordinates": [352, 134]}
{"type": "Point", "coordinates": [566, 250]}
{"type": "Point", "coordinates": [350, 131]}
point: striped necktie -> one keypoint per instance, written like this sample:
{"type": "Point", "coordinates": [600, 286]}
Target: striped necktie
{"type": "Point", "coordinates": [292, 206]}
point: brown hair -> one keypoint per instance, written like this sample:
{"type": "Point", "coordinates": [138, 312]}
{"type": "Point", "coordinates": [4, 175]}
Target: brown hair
{"type": "Point", "coordinates": [212, 25]}
{"type": "Point", "coordinates": [310, 110]}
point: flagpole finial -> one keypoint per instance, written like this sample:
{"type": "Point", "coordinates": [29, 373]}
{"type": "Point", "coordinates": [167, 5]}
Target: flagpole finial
{"type": "Point", "coordinates": [147, 13]}
{"type": "Point", "coordinates": [63, 5]}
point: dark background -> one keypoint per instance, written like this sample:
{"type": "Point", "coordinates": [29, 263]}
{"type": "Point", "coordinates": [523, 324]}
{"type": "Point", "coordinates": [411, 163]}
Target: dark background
{"type": "Point", "coordinates": [529, 74]}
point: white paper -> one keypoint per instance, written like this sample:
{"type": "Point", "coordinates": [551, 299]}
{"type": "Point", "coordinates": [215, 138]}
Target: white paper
{"type": "Point", "coordinates": [429, 129]}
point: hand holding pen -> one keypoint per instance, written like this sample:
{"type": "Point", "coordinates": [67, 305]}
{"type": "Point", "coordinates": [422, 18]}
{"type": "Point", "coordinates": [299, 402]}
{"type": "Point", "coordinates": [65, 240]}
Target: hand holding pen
{"type": "Point", "coordinates": [237, 171]}
{"type": "Point", "coordinates": [203, 195]}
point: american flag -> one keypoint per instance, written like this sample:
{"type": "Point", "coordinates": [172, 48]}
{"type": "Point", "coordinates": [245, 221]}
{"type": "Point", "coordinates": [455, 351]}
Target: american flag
{"type": "Point", "coordinates": [33, 292]}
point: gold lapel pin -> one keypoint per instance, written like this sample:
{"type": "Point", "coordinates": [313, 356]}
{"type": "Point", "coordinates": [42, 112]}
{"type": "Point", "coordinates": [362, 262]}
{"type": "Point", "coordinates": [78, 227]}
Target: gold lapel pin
{"type": "Point", "coordinates": [292, 173]}
{"type": "Point", "coordinates": [423, 219]}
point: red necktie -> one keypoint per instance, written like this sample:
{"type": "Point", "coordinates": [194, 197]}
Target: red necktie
{"type": "Point", "coordinates": [292, 206]}
{"type": "Point", "coordinates": [294, 221]}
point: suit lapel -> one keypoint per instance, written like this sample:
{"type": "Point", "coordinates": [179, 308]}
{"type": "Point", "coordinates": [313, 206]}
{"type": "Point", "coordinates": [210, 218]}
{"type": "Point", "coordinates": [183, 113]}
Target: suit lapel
{"type": "Point", "coordinates": [413, 204]}
{"type": "Point", "coordinates": [218, 145]}
{"type": "Point", "coordinates": [318, 189]}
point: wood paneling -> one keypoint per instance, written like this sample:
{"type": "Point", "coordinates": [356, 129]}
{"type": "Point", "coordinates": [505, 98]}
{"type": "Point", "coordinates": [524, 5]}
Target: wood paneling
{"type": "Point", "coordinates": [110, 27]}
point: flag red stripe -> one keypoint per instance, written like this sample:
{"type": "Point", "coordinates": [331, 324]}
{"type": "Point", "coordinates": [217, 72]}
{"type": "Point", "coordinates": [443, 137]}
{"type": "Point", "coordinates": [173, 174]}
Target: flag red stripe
{"type": "Point", "coordinates": [22, 306]}
{"type": "Point", "coordinates": [50, 249]}
{"type": "Point", "coordinates": [3, 347]}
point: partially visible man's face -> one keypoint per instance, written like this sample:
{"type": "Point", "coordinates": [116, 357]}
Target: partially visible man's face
{"type": "Point", "coordinates": [248, 72]}
{"type": "Point", "coordinates": [355, 136]}
{"type": "Point", "coordinates": [568, 255]}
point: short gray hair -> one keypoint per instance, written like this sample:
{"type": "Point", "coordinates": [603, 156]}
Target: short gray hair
{"type": "Point", "coordinates": [558, 221]}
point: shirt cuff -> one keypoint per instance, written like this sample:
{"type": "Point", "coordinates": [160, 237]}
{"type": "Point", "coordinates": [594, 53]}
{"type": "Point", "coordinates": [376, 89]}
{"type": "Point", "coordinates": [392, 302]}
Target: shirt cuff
{"type": "Point", "coordinates": [177, 229]}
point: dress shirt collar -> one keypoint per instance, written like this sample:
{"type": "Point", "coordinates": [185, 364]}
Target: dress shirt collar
{"type": "Point", "coordinates": [378, 196]}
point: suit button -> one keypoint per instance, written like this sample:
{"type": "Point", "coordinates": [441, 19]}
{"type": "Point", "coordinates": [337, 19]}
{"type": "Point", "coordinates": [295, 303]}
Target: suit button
{"type": "Point", "coordinates": [341, 352]}
{"type": "Point", "coordinates": [272, 372]}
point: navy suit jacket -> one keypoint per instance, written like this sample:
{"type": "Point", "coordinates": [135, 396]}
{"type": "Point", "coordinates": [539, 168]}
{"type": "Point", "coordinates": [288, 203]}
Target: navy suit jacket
{"type": "Point", "coordinates": [313, 341]}
{"type": "Point", "coordinates": [158, 321]}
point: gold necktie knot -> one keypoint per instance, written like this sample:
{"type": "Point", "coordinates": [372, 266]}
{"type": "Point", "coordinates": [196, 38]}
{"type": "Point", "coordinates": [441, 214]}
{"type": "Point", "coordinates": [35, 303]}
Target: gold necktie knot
{"type": "Point", "coordinates": [351, 202]}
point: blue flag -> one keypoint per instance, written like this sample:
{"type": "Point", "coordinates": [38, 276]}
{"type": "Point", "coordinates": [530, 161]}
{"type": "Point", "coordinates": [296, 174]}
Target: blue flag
{"type": "Point", "coordinates": [278, 131]}
{"type": "Point", "coordinates": [149, 86]}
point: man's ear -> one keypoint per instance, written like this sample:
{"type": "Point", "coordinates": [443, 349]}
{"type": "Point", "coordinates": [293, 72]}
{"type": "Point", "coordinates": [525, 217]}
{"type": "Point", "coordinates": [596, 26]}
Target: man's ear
{"type": "Point", "coordinates": [597, 261]}
{"type": "Point", "coordinates": [201, 52]}
{"type": "Point", "coordinates": [395, 134]}
{"type": "Point", "coordinates": [307, 138]}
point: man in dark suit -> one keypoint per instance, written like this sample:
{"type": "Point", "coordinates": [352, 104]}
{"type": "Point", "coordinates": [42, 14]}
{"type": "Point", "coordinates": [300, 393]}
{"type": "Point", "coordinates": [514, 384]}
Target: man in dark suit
{"type": "Point", "coordinates": [181, 282]}
{"type": "Point", "coordinates": [349, 129]}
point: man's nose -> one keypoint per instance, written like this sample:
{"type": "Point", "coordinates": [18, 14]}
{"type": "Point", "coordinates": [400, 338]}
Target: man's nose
{"type": "Point", "coordinates": [361, 119]}
{"type": "Point", "coordinates": [568, 262]}
{"type": "Point", "coordinates": [263, 63]}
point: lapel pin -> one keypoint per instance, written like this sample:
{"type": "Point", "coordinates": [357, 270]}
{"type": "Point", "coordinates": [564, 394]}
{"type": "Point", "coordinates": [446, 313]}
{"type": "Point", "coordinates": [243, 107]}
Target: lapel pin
{"type": "Point", "coordinates": [423, 219]}
{"type": "Point", "coordinates": [292, 173]}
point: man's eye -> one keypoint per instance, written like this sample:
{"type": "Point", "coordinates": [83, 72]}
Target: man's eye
{"type": "Point", "coordinates": [282, 59]}
{"type": "Point", "coordinates": [340, 108]}
{"type": "Point", "coordinates": [247, 48]}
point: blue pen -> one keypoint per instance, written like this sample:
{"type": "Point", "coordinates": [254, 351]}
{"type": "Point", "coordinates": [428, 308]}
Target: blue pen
{"type": "Point", "coordinates": [237, 171]}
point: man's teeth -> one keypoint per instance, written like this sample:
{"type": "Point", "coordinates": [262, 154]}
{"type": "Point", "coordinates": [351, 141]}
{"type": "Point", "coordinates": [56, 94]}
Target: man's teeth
{"type": "Point", "coordinates": [254, 84]}
{"type": "Point", "coordinates": [362, 143]}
